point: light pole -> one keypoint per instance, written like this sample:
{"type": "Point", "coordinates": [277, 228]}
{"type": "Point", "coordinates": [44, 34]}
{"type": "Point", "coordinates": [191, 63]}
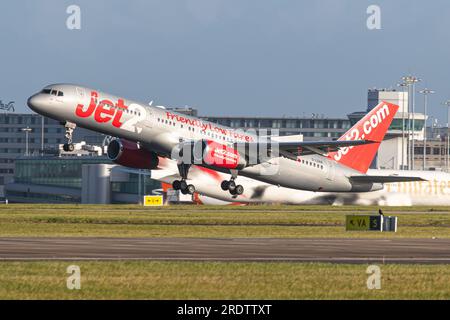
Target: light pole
{"type": "Point", "coordinates": [27, 130]}
{"type": "Point", "coordinates": [447, 104]}
{"type": "Point", "coordinates": [411, 82]}
{"type": "Point", "coordinates": [425, 93]}
{"type": "Point", "coordinates": [403, 85]}
{"type": "Point", "coordinates": [42, 135]}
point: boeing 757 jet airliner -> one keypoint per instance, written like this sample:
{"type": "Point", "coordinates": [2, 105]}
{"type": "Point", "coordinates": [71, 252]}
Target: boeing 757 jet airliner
{"type": "Point", "coordinates": [146, 133]}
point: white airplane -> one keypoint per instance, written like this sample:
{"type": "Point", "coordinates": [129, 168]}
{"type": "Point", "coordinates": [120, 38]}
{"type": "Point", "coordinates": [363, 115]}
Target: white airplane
{"type": "Point", "coordinates": [434, 190]}
{"type": "Point", "coordinates": [147, 134]}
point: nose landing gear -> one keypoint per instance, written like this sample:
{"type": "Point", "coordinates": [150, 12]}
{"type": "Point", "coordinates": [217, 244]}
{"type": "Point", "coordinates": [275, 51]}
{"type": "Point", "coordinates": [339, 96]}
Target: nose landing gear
{"type": "Point", "coordinates": [70, 127]}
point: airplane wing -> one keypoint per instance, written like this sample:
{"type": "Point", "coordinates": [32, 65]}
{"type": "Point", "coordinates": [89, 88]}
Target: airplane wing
{"type": "Point", "coordinates": [320, 147]}
{"type": "Point", "coordinates": [384, 179]}
{"type": "Point", "coordinates": [293, 149]}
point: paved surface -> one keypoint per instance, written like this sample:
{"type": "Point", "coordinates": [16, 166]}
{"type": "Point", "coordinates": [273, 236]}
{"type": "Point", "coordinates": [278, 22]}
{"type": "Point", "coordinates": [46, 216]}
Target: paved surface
{"type": "Point", "coordinates": [202, 249]}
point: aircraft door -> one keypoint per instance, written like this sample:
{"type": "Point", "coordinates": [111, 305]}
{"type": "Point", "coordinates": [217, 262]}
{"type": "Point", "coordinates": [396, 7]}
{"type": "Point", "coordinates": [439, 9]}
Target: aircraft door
{"type": "Point", "coordinates": [81, 93]}
{"type": "Point", "coordinates": [149, 117]}
{"type": "Point", "coordinates": [331, 171]}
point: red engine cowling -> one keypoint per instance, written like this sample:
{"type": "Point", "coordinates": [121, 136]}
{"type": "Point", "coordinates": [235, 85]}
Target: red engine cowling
{"type": "Point", "coordinates": [222, 156]}
{"type": "Point", "coordinates": [130, 154]}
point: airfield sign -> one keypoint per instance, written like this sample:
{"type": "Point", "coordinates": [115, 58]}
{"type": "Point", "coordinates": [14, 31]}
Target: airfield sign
{"type": "Point", "coordinates": [363, 223]}
{"type": "Point", "coordinates": [153, 201]}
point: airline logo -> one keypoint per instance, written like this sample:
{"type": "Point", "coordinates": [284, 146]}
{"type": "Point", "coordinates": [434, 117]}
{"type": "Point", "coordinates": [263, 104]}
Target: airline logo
{"type": "Point", "coordinates": [430, 187]}
{"type": "Point", "coordinates": [373, 126]}
{"type": "Point", "coordinates": [368, 125]}
{"type": "Point", "coordinates": [220, 155]}
{"type": "Point", "coordinates": [375, 120]}
{"type": "Point", "coordinates": [106, 111]}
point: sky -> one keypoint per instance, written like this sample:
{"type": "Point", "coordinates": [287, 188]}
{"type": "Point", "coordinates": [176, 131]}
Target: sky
{"type": "Point", "coordinates": [228, 57]}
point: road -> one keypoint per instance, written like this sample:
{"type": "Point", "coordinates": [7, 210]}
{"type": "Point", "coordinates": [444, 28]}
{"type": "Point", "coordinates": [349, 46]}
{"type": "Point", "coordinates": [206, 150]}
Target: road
{"type": "Point", "coordinates": [248, 249]}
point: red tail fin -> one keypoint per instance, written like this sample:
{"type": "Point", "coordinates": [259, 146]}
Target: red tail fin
{"type": "Point", "coordinates": [372, 127]}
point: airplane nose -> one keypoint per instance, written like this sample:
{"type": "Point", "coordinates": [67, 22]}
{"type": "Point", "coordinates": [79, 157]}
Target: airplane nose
{"type": "Point", "coordinates": [35, 102]}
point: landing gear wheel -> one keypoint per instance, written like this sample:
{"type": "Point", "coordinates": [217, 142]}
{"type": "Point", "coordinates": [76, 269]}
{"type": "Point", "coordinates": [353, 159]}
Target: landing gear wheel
{"type": "Point", "coordinates": [68, 147]}
{"type": "Point", "coordinates": [176, 185]}
{"type": "Point", "coordinates": [239, 189]}
{"type": "Point", "coordinates": [183, 185]}
{"type": "Point", "coordinates": [190, 189]}
{"type": "Point", "coordinates": [225, 185]}
{"type": "Point", "coordinates": [231, 185]}
{"type": "Point", "coordinates": [186, 188]}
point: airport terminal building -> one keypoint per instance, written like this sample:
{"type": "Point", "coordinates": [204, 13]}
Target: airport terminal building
{"type": "Point", "coordinates": [32, 135]}
{"type": "Point", "coordinates": [80, 179]}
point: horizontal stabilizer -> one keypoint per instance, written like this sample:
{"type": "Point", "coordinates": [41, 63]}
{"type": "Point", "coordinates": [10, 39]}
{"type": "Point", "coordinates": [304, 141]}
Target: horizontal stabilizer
{"type": "Point", "coordinates": [384, 179]}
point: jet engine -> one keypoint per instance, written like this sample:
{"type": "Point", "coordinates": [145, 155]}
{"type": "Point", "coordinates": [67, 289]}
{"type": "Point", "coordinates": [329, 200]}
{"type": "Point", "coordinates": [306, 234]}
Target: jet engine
{"type": "Point", "coordinates": [131, 154]}
{"type": "Point", "coordinates": [212, 154]}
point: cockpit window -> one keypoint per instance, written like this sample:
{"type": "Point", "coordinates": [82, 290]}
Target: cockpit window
{"type": "Point", "coordinates": [53, 92]}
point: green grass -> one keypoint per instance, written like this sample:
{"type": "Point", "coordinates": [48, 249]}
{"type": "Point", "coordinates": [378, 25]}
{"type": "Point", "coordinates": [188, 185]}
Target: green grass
{"type": "Point", "coordinates": [212, 221]}
{"type": "Point", "coordinates": [210, 280]}
{"type": "Point", "coordinates": [216, 280]}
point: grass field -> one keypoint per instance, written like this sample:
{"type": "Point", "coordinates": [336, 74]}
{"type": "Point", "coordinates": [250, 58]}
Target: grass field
{"type": "Point", "coordinates": [209, 280]}
{"type": "Point", "coordinates": [212, 221]}
{"type": "Point", "coordinates": [220, 280]}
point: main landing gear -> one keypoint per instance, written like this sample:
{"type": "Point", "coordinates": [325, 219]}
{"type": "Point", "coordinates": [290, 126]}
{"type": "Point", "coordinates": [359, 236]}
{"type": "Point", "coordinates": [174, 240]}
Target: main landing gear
{"type": "Point", "coordinates": [185, 188]}
{"type": "Point", "coordinates": [182, 185]}
{"type": "Point", "coordinates": [230, 185]}
{"type": "Point", "coordinates": [70, 127]}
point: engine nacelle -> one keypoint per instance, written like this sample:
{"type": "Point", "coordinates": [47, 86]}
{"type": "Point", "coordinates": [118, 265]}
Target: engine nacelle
{"type": "Point", "coordinates": [130, 154]}
{"type": "Point", "coordinates": [222, 156]}
{"type": "Point", "coordinates": [211, 153]}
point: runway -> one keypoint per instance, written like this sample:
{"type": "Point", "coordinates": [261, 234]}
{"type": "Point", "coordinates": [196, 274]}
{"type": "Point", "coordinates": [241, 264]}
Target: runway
{"type": "Point", "coordinates": [245, 249]}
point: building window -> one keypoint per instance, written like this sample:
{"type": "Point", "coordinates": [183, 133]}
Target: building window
{"type": "Point", "coordinates": [291, 124]}
{"type": "Point", "coordinates": [276, 123]}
